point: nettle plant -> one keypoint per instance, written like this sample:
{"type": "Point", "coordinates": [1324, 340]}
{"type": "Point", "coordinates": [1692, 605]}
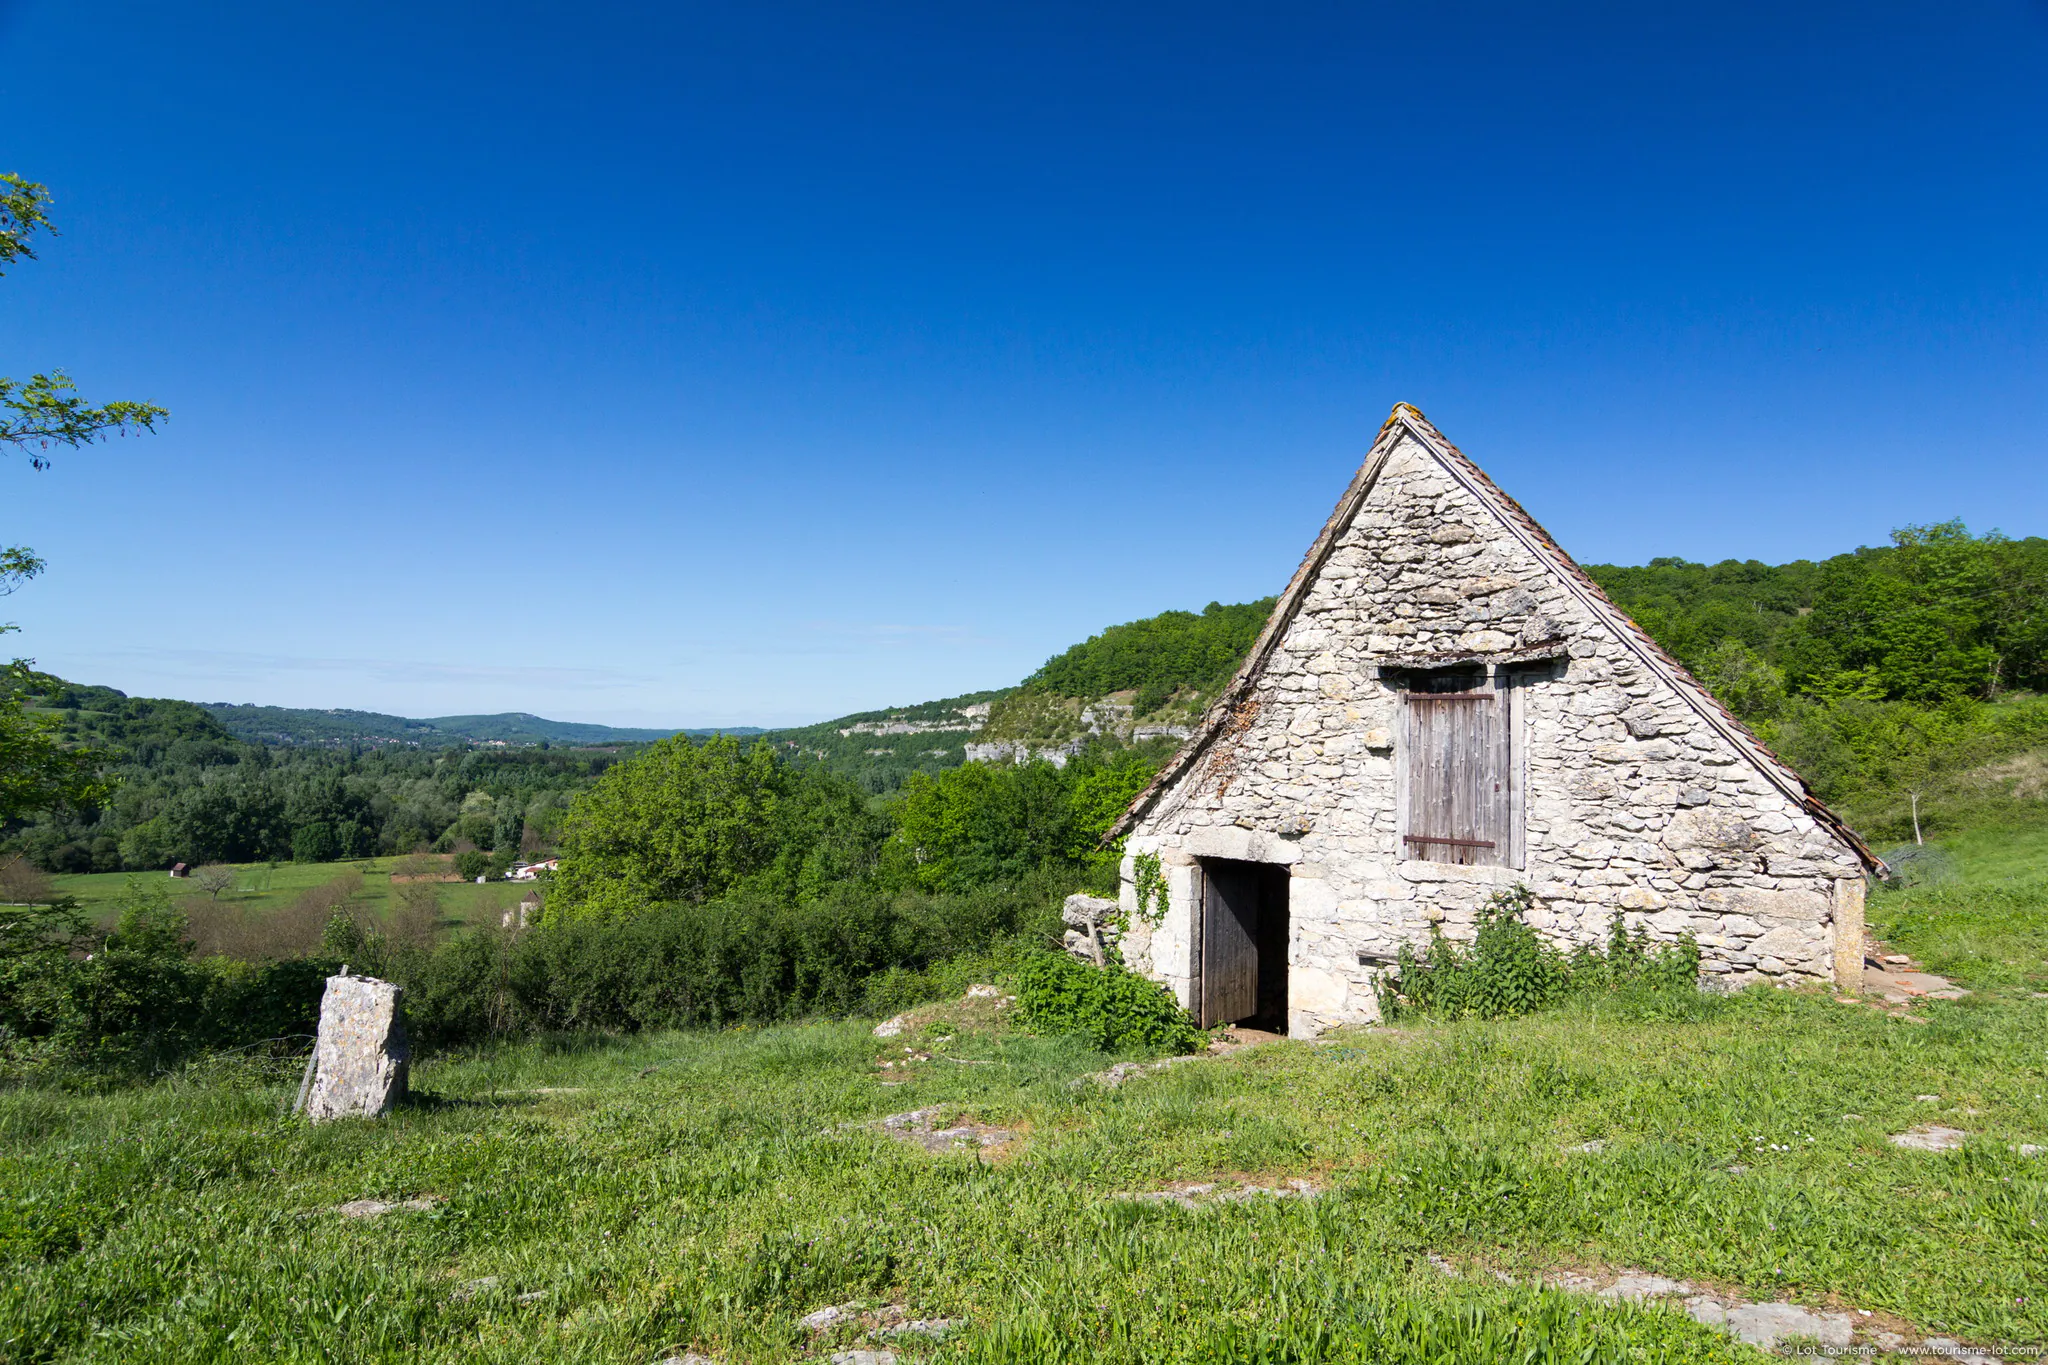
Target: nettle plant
{"type": "Point", "coordinates": [1508, 970]}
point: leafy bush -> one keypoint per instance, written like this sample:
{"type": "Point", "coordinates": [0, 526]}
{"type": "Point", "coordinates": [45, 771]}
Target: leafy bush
{"type": "Point", "coordinates": [691, 820]}
{"type": "Point", "coordinates": [135, 1001]}
{"type": "Point", "coordinates": [1508, 970]}
{"type": "Point", "coordinates": [1114, 1008]}
{"type": "Point", "coordinates": [987, 823]}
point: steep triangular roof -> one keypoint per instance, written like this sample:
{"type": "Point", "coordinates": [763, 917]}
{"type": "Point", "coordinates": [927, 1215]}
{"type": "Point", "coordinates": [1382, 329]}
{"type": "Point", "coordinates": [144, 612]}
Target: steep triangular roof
{"type": "Point", "coordinates": [1409, 421]}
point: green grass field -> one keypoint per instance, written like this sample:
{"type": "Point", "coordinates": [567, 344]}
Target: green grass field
{"type": "Point", "coordinates": [625, 1200]}
{"type": "Point", "coordinates": [1988, 927]}
{"type": "Point", "coordinates": [261, 887]}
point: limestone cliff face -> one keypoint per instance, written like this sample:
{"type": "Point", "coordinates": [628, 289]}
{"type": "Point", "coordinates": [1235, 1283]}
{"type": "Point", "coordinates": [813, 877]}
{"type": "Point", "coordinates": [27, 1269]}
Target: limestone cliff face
{"type": "Point", "coordinates": [964, 718]}
{"type": "Point", "coordinates": [1031, 725]}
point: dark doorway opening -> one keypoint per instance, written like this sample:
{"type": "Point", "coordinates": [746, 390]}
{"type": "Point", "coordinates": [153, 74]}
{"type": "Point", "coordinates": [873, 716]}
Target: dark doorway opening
{"type": "Point", "coordinates": [1244, 944]}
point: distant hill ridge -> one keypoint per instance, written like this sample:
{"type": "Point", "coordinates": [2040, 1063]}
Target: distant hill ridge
{"type": "Point", "coordinates": [308, 726]}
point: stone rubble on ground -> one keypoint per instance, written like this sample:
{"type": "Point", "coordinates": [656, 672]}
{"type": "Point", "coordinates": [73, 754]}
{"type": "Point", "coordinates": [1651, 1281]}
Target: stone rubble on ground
{"type": "Point", "coordinates": [825, 1319]}
{"type": "Point", "coordinates": [1903, 987]}
{"type": "Point", "coordinates": [916, 1128]}
{"type": "Point", "coordinates": [922, 1327]}
{"type": "Point", "coordinates": [863, 1357]}
{"type": "Point", "coordinates": [894, 1026]}
{"type": "Point", "coordinates": [377, 1208]}
{"type": "Point", "coordinates": [690, 1358]}
{"type": "Point", "coordinates": [359, 1063]}
{"type": "Point", "coordinates": [1196, 1195]}
{"type": "Point", "coordinates": [1635, 1288]}
{"type": "Point", "coordinates": [1124, 1071]}
{"type": "Point", "coordinates": [1767, 1325]}
{"type": "Point", "coordinates": [1929, 1137]}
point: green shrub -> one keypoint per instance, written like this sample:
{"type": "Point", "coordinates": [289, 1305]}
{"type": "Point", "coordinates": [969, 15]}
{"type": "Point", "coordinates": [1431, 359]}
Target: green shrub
{"type": "Point", "coordinates": [135, 1001]}
{"type": "Point", "coordinates": [1508, 970]}
{"type": "Point", "coordinates": [1114, 1008]}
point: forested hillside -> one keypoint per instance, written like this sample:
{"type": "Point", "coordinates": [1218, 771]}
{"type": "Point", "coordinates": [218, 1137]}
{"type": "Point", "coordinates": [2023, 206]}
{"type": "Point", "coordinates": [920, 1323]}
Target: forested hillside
{"type": "Point", "coordinates": [1894, 678]}
{"type": "Point", "coordinates": [1897, 678]}
{"type": "Point", "coordinates": [1164, 669]}
{"type": "Point", "coordinates": [1160, 659]}
{"type": "Point", "coordinates": [879, 750]}
{"type": "Point", "coordinates": [341, 728]}
{"type": "Point", "coordinates": [185, 789]}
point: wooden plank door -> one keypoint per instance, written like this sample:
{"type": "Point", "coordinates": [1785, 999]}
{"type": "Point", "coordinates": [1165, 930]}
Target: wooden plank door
{"type": "Point", "coordinates": [1230, 953]}
{"type": "Point", "coordinates": [1459, 801]}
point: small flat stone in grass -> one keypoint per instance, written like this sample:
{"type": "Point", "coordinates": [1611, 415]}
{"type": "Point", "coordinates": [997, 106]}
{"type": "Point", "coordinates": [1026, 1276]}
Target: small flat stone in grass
{"type": "Point", "coordinates": [377, 1208]}
{"type": "Point", "coordinates": [470, 1289]}
{"type": "Point", "coordinates": [692, 1358]}
{"type": "Point", "coordinates": [1634, 1287]}
{"type": "Point", "coordinates": [863, 1358]}
{"type": "Point", "coordinates": [825, 1319]}
{"type": "Point", "coordinates": [916, 1128]}
{"type": "Point", "coordinates": [1591, 1145]}
{"type": "Point", "coordinates": [1927, 1099]}
{"type": "Point", "coordinates": [1197, 1194]}
{"type": "Point", "coordinates": [2031, 1149]}
{"type": "Point", "coordinates": [1768, 1324]}
{"type": "Point", "coordinates": [1571, 1280]}
{"type": "Point", "coordinates": [923, 1327]}
{"type": "Point", "coordinates": [1929, 1137]}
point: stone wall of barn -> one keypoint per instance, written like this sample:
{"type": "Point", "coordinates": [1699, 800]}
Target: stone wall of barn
{"type": "Point", "coordinates": [1633, 803]}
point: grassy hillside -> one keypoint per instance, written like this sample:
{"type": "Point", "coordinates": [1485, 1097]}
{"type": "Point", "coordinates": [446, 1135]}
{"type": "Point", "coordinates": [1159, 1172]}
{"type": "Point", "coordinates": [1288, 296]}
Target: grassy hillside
{"type": "Point", "coordinates": [608, 1199]}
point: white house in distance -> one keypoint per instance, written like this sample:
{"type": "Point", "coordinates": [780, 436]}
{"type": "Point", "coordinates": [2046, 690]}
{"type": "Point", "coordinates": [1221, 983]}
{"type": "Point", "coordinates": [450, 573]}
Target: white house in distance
{"type": "Point", "coordinates": [526, 872]}
{"type": "Point", "coordinates": [1443, 705]}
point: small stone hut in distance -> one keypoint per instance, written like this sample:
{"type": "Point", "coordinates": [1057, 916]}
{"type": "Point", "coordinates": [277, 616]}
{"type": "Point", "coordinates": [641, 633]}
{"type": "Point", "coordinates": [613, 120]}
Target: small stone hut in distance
{"type": "Point", "coordinates": [1443, 705]}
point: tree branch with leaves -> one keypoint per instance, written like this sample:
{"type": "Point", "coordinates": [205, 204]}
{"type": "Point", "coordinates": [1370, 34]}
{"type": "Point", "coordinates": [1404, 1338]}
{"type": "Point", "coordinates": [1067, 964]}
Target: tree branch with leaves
{"type": "Point", "coordinates": [38, 770]}
{"type": "Point", "coordinates": [45, 410]}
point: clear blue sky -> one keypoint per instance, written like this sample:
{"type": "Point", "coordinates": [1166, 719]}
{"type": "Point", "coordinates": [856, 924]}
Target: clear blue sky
{"type": "Point", "coordinates": [677, 364]}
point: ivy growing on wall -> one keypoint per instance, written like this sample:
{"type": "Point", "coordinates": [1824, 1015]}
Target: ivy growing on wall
{"type": "Point", "coordinates": [1150, 881]}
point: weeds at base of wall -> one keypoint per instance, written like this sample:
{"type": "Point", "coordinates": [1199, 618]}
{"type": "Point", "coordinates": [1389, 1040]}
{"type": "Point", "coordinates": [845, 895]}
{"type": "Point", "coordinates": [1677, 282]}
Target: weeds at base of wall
{"type": "Point", "coordinates": [1509, 970]}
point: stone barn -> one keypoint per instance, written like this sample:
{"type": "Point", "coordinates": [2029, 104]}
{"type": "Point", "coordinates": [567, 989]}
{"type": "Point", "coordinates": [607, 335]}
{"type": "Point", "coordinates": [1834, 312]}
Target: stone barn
{"type": "Point", "coordinates": [1443, 705]}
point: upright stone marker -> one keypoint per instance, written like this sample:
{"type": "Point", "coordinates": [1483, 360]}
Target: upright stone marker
{"type": "Point", "coordinates": [359, 1063]}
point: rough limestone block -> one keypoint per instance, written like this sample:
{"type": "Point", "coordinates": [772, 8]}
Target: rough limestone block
{"type": "Point", "coordinates": [359, 1063]}
{"type": "Point", "coordinates": [1848, 933]}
